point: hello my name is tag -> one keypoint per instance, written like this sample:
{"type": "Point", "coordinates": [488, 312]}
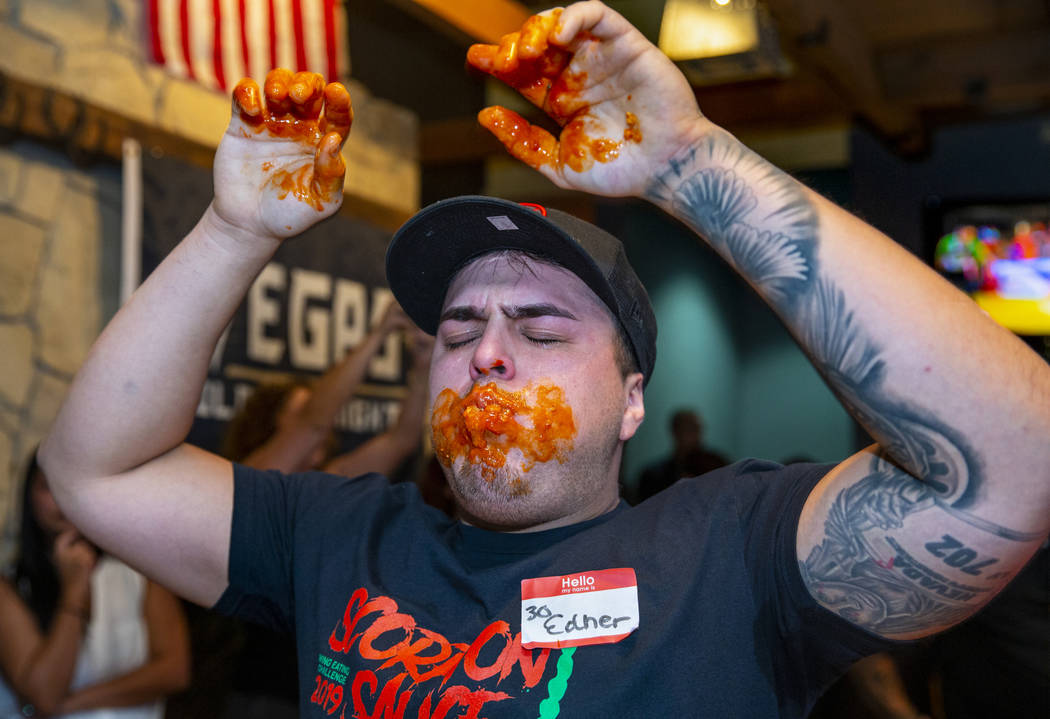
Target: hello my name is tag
{"type": "Point", "coordinates": [572, 610]}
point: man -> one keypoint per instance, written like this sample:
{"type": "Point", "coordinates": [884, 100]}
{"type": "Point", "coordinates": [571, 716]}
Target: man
{"type": "Point", "coordinates": [689, 457]}
{"type": "Point", "coordinates": [741, 595]}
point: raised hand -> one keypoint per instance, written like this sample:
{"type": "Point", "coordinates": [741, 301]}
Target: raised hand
{"type": "Point", "coordinates": [75, 560]}
{"type": "Point", "coordinates": [623, 107]}
{"type": "Point", "coordinates": [278, 169]}
{"type": "Point", "coordinates": [394, 318]}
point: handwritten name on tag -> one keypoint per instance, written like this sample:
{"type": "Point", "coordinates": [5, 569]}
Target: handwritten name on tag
{"type": "Point", "coordinates": [573, 610]}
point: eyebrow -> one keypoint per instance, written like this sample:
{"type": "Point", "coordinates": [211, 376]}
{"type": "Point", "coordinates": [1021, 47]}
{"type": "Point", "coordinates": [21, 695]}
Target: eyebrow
{"type": "Point", "coordinates": [542, 309]}
{"type": "Point", "coordinates": [466, 313]}
{"type": "Point", "coordinates": [461, 313]}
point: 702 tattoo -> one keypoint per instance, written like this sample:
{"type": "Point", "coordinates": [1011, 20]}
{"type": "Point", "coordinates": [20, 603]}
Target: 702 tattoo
{"type": "Point", "coordinates": [955, 554]}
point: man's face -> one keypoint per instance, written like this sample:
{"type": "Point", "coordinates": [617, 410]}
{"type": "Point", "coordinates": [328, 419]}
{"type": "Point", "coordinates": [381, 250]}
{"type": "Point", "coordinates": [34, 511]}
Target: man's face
{"type": "Point", "coordinates": [529, 406]}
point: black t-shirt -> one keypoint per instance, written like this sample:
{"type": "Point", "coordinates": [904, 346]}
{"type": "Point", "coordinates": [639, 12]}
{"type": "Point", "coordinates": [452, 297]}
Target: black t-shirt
{"type": "Point", "coordinates": [398, 609]}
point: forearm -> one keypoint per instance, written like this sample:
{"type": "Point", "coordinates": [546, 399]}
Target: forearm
{"type": "Point", "coordinates": [878, 682]}
{"type": "Point", "coordinates": [386, 452]}
{"type": "Point", "coordinates": [45, 678]}
{"type": "Point", "coordinates": [166, 670]}
{"type": "Point", "coordinates": [905, 352]}
{"type": "Point", "coordinates": [336, 386]}
{"type": "Point", "coordinates": [135, 396]}
{"type": "Point", "coordinates": [158, 678]}
{"type": "Point", "coordinates": [409, 426]}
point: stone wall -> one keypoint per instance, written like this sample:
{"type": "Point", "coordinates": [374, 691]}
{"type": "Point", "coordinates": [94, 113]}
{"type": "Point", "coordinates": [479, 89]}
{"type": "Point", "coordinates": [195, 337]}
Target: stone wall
{"type": "Point", "coordinates": [60, 224]}
{"type": "Point", "coordinates": [53, 218]}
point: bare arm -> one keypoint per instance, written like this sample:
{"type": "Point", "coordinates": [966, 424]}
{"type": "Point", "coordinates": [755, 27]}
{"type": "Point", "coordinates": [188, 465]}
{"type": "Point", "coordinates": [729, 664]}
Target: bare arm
{"type": "Point", "coordinates": [115, 455]}
{"type": "Point", "coordinates": [385, 452]}
{"type": "Point", "coordinates": [39, 665]}
{"type": "Point", "coordinates": [306, 429]}
{"type": "Point", "coordinates": [167, 667]}
{"type": "Point", "coordinates": [903, 540]}
{"type": "Point", "coordinates": [877, 681]}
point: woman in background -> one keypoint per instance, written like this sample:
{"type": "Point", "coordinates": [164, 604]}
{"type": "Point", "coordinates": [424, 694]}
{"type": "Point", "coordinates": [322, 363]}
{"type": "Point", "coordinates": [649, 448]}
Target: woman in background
{"type": "Point", "coordinates": [81, 634]}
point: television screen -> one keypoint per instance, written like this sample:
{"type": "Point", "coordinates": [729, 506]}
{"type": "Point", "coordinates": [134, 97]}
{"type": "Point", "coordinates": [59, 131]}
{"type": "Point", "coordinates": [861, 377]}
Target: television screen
{"type": "Point", "coordinates": [999, 253]}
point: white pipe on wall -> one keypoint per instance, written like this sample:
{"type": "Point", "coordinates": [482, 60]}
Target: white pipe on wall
{"type": "Point", "coordinates": [131, 218]}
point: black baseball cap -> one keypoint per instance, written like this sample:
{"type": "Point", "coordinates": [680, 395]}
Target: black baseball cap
{"type": "Point", "coordinates": [431, 247]}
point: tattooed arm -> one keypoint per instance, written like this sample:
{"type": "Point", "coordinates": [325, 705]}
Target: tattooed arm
{"type": "Point", "coordinates": [905, 538]}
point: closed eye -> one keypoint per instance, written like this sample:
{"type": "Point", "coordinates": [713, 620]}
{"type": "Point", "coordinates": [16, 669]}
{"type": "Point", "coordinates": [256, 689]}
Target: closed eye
{"type": "Point", "coordinates": [457, 341]}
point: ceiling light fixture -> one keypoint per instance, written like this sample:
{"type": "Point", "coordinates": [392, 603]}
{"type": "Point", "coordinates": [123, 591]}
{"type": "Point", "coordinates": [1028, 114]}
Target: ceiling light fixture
{"type": "Point", "coordinates": [717, 41]}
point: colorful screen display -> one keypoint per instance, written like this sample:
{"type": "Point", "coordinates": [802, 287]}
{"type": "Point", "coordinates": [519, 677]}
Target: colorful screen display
{"type": "Point", "coordinates": [999, 253]}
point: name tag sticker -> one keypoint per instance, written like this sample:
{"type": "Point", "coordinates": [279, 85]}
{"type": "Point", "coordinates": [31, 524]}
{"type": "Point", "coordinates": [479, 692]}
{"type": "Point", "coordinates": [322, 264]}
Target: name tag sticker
{"type": "Point", "coordinates": [599, 607]}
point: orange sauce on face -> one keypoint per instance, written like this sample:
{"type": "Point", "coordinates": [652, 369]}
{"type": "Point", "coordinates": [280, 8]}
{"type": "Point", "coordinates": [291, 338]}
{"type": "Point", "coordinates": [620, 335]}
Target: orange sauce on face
{"type": "Point", "coordinates": [485, 424]}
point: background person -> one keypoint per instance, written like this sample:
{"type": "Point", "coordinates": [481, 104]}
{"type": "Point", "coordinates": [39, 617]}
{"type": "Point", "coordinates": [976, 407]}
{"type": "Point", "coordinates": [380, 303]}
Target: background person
{"type": "Point", "coordinates": [291, 426]}
{"type": "Point", "coordinates": [81, 634]}
{"type": "Point", "coordinates": [689, 457]}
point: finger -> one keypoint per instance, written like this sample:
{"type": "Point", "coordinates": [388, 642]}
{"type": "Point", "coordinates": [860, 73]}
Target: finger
{"type": "Point", "coordinates": [524, 60]}
{"type": "Point", "coordinates": [276, 87]}
{"type": "Point", "coordinates": [530, 79]}
{"type": "Point", "coordinates": [482, 56]}
{"type": "Point", "coordinates": [67, 538]}
{"type": "Point", "coordinates": [587, 20]}
{"type": "Point", "coordinates": [329, 167]}
{"type": "Point", "coordinates": [534, 34]}
{"type": "Point", "coordinates": [531, 144]}
{"type": "Point", "coordinates": [338, 110]}
{"type": "Point", "coordinates": [247, 100]}
{"type": "Point", "coordinates": [306, 93]}
{"type": "Point", "coordinates": [505, 59]}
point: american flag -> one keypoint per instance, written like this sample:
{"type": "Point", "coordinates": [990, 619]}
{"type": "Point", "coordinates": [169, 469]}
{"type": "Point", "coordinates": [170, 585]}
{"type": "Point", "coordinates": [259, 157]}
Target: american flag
{"type": "Point", "coordinates": [217, 42]}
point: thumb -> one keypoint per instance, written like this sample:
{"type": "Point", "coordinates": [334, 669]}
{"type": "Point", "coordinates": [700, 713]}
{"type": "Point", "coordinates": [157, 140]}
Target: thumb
{"type": "Point", "coordinates": [329, 167]}
{"type": "Point", "coordinates": [247, 109]}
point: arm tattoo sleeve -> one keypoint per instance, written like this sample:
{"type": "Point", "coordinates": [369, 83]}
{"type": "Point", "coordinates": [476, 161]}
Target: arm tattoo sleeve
{"type": "Point", "coordinates": [761, 221]}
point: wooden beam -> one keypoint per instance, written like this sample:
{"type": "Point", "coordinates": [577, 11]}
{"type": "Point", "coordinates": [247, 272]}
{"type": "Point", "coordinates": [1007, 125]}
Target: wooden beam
{"type": "Point", "coordinates": [473, 20]}
{"type": "Point", "coordinates": [970, 69]}
{"type": "Point", "coordinates": [86, 132]}
{"type": "Point", "coordinates": [822, 35]}
{"type": "Point", "coordinates": [804, 100]}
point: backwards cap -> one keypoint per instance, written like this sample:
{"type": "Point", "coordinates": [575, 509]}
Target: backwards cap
{"type": "Point", "coordinates": [428, 250]}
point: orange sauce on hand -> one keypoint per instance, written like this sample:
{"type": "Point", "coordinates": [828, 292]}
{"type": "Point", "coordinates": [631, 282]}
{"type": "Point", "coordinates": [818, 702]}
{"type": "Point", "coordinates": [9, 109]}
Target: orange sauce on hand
{"type": "Point", "coordinates": [285, 125]}
{"type": "Point", "coordinates": [300, 121]}
{"type": "Point", "coordinates": [632, 133]}
{"type": "Point", "coordinates": [579, 150]}
{"type": "Point", "coordinates": [531, 144]}
{"type": "Point", "coordinates": [528, 63]}
{"type": "Point", "coordinates": [485, 424]}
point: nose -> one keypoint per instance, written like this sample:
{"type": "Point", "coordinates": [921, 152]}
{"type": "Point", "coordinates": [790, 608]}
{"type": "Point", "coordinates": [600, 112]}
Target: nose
{"type": "Point", "coordinates": [492, 356]}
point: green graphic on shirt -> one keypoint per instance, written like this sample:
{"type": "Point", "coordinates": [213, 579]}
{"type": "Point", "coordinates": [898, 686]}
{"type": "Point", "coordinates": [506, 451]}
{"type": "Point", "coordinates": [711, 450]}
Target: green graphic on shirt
{"type": "Point", "coordinates": [550, 707]}
{"type": "Point", "coordinates": [332, 669]}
